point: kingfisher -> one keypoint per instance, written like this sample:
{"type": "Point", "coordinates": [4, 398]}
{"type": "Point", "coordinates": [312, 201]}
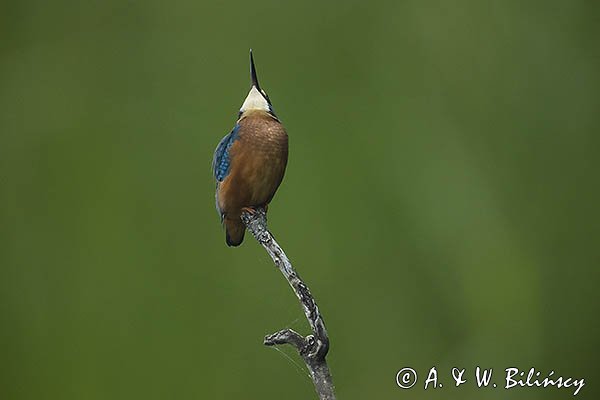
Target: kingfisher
{"type": "Point", "coordinates": [249, 162]}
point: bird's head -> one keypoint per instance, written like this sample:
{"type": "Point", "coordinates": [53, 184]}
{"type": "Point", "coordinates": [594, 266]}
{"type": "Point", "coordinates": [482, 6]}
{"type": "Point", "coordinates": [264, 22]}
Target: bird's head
{"type": "Point", "coordinates": [257, 99]}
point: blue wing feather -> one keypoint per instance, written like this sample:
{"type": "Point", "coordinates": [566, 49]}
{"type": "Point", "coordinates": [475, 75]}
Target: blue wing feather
{"type": "Point", "coordinates": [221, 161]}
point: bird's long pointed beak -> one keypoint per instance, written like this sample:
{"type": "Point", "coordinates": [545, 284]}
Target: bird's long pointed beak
{"type": "Point", "coordinates": [253, 72]}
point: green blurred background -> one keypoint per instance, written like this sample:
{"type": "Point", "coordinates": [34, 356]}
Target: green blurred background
{"type": "Point", "coordinates": [441, 198]}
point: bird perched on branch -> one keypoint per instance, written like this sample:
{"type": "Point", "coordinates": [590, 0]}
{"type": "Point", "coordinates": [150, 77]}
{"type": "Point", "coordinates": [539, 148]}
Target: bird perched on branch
{"type": "Point", "coordinates": [249, 162]}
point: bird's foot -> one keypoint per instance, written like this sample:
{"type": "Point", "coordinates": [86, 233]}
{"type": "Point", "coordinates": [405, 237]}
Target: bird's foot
{"type": "Point", "coordinates": [249, 210]}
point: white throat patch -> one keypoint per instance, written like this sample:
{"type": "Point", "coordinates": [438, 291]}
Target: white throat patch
{"type": "Point", "coordinates": [255, 101]}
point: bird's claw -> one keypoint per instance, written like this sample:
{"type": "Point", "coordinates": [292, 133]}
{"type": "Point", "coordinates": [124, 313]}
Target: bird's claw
{"type": "Point", "coordinates": [249, 210]}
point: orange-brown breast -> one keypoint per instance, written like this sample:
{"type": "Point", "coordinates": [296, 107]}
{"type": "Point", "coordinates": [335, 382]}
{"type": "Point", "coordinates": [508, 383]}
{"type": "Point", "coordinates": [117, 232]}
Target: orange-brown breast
{"type": "Point", "coordinates": [258, 158]}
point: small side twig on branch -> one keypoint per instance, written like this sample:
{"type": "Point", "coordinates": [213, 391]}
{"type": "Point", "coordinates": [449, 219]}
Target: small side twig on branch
{"type": "Point", "coordinates": [312, 348]}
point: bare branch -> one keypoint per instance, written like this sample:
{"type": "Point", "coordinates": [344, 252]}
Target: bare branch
{"type": "Point", "coordinates": [312, 348]}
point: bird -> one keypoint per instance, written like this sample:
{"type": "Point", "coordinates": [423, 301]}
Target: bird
{"type": "Point", "coordinates": [249, 163]}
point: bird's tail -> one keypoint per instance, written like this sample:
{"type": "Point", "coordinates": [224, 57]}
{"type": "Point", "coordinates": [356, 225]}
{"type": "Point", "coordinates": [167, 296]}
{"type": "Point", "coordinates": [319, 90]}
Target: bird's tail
{"type": "Point", "coordinates": [234, 231]}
